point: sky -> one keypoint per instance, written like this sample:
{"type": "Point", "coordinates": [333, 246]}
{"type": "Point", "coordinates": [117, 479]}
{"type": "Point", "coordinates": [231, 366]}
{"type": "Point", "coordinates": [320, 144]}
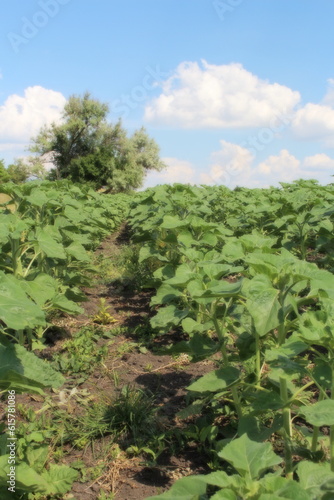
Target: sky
{"type": "Point", "coordinates": [234, 92]}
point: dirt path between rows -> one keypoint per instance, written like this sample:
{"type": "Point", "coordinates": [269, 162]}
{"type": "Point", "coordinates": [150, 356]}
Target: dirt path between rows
{"type": "Point", "coordinates": [130, 478]}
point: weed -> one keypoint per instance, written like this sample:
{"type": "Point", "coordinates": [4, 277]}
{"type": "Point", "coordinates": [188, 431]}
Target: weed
{"type": "Point", "coordinates": [129, 419]}
{"type": "Point", "coordinates": [105, 496]}
{"type": "Point", "coordinates": [115, 376]}
{"type": "Point", "coordinates": [125, 348]}
{"type": "Point", "coordinates": [119, 330]}
{"type": "Point", "coordinates": [81, 354]}
{"type": "Point", "coordinates": [132, 413]}
{"type": "Point", "coordinates": [103, 317]}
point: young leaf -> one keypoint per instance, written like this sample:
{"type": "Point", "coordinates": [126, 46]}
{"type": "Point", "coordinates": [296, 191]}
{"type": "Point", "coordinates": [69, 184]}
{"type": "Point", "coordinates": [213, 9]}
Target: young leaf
{"type": "Point", "coordinates": [248, 457]}
{"type": "Point", "coordinates": [59, 478]}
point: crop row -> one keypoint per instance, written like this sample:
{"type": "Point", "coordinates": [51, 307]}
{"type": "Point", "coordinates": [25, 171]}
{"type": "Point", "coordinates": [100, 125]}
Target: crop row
{"type": "Point", "coordinates": [47, 232]}
{"type": "Point", "coordinates": [247, 278]}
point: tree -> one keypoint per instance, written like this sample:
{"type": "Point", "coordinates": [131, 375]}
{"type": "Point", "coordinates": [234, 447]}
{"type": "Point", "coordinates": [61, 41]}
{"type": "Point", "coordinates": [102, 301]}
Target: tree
{"type": "Point", "coordinates": [18, 171]}
{"type": "Point", "coordinates": [21, 169]}
{"type": "Point", "coordinates": [4, 176]}
{"type": "Point", "coordinates": [86, 148]}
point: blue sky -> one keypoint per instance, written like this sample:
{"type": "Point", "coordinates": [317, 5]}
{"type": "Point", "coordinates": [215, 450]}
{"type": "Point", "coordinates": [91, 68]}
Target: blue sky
{"type": "Point", "coordinates": [235, 92]}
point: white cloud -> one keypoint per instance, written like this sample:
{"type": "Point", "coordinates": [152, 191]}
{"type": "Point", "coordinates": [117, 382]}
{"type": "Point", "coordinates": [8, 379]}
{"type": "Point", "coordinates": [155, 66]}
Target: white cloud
{"type": "Point", "coordinates": [314, 121]}
{"type": "Point", "coordinates": [230, 162]}
{"type": "Point", "coordinates": [213, 96]}
{"type": "Point", "coordinates": [285, 166]}
{"type": "Point", "coordinates": [177, 171]}
{"type": "Point", "coordinates": [21, 117]}
{"type": "Point", "coordinates": [320, 161]}
{"type": "Point", "coordinates": [234, 166]}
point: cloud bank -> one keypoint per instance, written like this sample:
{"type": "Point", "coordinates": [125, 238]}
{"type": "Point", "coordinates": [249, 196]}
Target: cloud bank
{"type": "Point", "coordinates": [213, 96]}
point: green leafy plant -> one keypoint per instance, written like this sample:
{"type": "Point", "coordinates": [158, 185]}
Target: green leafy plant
{"type": "Point", "coordinates": [81, 354]}
{"type": "Point", "coordinates": [103, 317]}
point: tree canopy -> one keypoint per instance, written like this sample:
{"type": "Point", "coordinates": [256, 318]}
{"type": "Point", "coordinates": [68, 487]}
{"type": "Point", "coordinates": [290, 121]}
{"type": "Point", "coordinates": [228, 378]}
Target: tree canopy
{"type": "Point", "coordinates": [85, 147]}
{"type": "Point", "coordinates": [4, 175]}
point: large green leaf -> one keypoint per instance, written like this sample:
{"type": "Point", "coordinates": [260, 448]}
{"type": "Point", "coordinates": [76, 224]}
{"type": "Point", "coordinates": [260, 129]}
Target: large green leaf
{"type": "Point", "coordinates": [77, 251]}
{"type": "Point", "coordinates": [24, 371]}
{"type": "Point", "coordinates": [199, 347]}
{"type": "Point", "coordinates": [37, 198]}
{"type": "Point", "coordinates": [183, 274]}
{"type": "Point", "coordinates": [279, 488]}
{"type": "Point", "coordinates": [186, 238]}
{"type": "Point", "coordinates": [291, 348]}
{"type": "Point", "coordinates": [48, 241]}
{"type": "Point", "coordinates": [189, 325]}
{"type": "Point", "coordinates": [62, 303]}
{"type": "Point", "coordinates": [319, 414]}
{"type": "Point", "coordinates": [225, 494]}
{"type": "Point", "coordinates": [146, 252]}
{"type": "Point", "coordinates": [59, 478]}
{"type": "Point", "coordinates": [41, 289]}
{"type": "Point", "coordinates": [262, 303]}
{"type": "Point", "coordinates": [165, 294]}
{"type": "Point", "coordinates": [26, 478]}
{"type": "Point", "coordinates": [224, 289]}
{"type": "Point", "coordinates": [208, 238]}
{"type": "Point", "coordinates": [217, 380]}
{"type": "Point", "coordinates": [319, 279]}
{"type": "Point", "coordinates": [248, 457]}
{"type": "Point", "coordinates": [223, 480]}
{"type": "Point", "coordinates": [215, 271]}
{"type": "Point", "coordinates": [37, 457]}
{"type": "Point", "coordinates": [172, 222]}
{"type": "Point", "coordinates": [17, 311]}
{"type": "Point", "coordinates": [316, 479]}
{"type": "Point", "coordinates": [169, 315]}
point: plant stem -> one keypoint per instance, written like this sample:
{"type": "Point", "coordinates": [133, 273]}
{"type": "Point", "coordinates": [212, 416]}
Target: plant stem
{"type": "Point", "coordinates": [257, 358]}
{"type": "Point", "coordinates": [236, 400]}
{"type": "Point", "coordinates": [17, 265]}
{"type": "Point", "coordinates": [287, 427]}
{"type": "Point", "coordinates": [316, 430]}
{"type": "Point", "coordinates": [30, 264]}
{"type": "Point", "coordinates": [331, 438]}
{"type": "Point", "coordinates": [20, 336]}
{"type": "Point", "coordinates": [234, 389]}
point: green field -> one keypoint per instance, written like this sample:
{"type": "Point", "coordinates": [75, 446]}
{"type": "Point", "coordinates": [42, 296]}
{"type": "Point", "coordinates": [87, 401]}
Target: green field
{"type": "Point", "coordinates": [234, 288]}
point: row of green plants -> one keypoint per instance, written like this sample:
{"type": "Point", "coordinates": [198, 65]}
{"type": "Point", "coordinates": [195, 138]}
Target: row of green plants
{"type": "Point", "coordinates": [247, 276]}
{"type": "Point", "coordinates": [46, 239]}
{"type": "Point", "coordinates": [48, 231]}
